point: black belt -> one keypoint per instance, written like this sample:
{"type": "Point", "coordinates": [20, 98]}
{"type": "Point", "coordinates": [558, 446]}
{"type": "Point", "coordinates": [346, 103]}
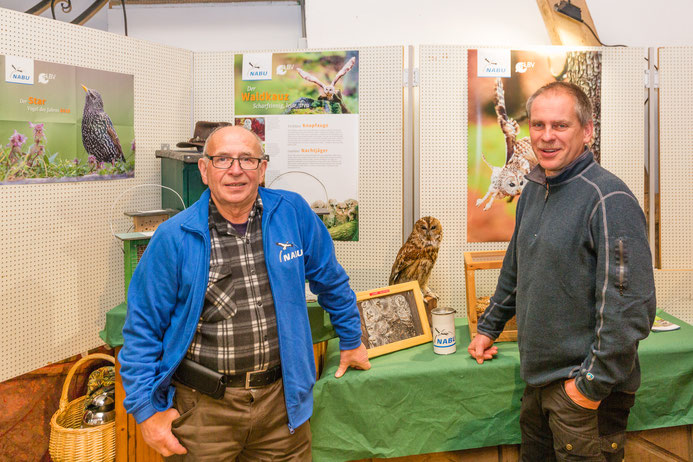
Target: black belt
{"type": "Point", "coordinates": [212, 383]}
{"type": "Point", "coordinates": [254, 379]}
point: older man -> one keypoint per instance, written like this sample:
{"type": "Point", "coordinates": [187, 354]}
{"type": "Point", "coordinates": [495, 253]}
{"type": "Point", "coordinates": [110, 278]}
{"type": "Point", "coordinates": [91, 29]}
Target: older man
{"type": "Point", "coordinates": [578, 275]}
{"type": "Point", "coordinates": [217, 360]}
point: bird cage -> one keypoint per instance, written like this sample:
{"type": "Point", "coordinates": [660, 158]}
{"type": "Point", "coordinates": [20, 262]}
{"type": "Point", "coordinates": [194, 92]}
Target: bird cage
{"type": "Point", "coordinates": [476, 261]}
{"type": "Point", "coordinates": [133, 248]}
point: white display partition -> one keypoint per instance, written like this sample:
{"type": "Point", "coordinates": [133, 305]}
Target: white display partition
{"type": "Point", "coordinates": [380, 189]}
{"type": "Point", "coordinates": [442, 168]}
{"type": "Point", "coordinates": [61, 269]}
{"type": "Point", "coordinates": [675, 279]}
{"type": "Point", "coordinates": [676, 156]}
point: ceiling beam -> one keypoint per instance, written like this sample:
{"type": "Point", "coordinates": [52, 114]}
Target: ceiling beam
{"type": "Point", "coordinates": [183, 2]}
{"type": "Point", "coordinates": [564, 30]}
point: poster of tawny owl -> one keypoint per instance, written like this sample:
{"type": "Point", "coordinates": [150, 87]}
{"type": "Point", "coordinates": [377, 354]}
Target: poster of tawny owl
{"type": "Point", "coordinates": [417, 256]}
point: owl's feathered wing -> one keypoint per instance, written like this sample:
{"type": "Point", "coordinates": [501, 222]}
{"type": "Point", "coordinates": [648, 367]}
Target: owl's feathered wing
{"type": "Point", "coordinates": [402, 263]}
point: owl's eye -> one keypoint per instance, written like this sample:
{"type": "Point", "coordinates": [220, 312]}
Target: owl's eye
{"type": "Point", "coordinates": [433, 227]}
{"type": "Point", "coordinates": [512, 184]}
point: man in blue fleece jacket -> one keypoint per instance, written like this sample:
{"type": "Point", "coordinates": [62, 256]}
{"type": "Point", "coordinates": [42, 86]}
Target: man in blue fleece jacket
{"type": "Point", "coordinates": [578, 276]}
{"type": "Point", "coordinates": [220, 293]}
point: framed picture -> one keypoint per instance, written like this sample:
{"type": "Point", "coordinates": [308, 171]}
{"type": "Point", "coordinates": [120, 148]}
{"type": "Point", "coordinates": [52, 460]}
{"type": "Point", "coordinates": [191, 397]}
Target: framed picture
{"type": "Point", "coordinates": [393, 318]}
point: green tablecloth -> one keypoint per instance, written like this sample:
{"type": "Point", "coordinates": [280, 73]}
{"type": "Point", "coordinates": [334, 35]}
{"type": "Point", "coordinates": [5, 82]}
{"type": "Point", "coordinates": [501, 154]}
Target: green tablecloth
{"type": "Point", "coordinates": [112, 333]}
{"type": "Point", "coordinates": [416, 402]}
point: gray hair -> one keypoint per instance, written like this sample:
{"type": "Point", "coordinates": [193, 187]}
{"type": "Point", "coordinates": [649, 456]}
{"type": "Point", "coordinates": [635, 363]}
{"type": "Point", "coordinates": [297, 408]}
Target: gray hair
{"type": "Point", "coordinates": [240, 127]}
{"type": "Point", "coordinates": [583, 106]}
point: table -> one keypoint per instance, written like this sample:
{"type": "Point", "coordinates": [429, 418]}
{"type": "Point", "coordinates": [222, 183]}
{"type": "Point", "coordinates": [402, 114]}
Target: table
{"type": "Point", "coordinates": [415, 402]}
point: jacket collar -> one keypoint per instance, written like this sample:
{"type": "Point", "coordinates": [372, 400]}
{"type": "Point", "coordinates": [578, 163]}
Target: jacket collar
{"type": "Point", "coordinates": [584, 160]}
{"type": "Point", "coordinates": [198, 217]}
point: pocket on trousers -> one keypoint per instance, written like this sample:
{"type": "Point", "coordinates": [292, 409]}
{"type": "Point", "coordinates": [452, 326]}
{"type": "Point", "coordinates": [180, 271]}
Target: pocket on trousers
{"type": "Point", "coordinates": [185, 402]}
{"type": "Point", "coordinates": [569, 400]}
{"type": "Point", "coordinates": [575, 428]}
{"type": "Point", "coordinates": [613, 443]}
{"type": "Point", "coordinates": [578, 447]}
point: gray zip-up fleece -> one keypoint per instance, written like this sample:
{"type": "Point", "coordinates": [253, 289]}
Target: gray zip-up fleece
{"type": "Point", "coordinates": [578, 274]}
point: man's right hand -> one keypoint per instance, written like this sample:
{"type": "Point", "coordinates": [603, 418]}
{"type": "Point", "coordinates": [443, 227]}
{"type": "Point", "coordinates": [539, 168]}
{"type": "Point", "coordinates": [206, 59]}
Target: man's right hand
{"type": "Point", "coordinates": [156, 432]}
{"type": "Point", "coordinates": [481, 348]}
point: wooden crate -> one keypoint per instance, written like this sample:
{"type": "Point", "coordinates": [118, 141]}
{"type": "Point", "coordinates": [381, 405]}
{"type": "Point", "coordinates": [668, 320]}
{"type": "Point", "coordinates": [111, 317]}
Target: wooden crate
{"type": "Point", "coordinates": [483, 260]}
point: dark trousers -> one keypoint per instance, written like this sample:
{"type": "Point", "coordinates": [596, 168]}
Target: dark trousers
{"type": "Point", "coordinates": [555, 428]}
{"type": "Point", "coordinates": [244, 426]}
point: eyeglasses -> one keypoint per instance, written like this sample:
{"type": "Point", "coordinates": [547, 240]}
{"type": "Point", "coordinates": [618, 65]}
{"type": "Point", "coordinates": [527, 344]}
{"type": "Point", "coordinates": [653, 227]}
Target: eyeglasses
{"type": "Point", "coordinates": [246, 163]}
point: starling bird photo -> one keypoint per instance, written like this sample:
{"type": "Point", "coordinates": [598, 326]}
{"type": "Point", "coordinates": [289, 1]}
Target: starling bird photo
{"type": "Point", "coordinates": [98, 135]}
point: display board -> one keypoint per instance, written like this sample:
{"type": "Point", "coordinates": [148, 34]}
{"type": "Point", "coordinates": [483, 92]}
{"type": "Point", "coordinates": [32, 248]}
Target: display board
{"type": "Point", "coordinates": [675, 279]}
{"type": "Point", "coordinates": [676, 157]}
{"type": "Point", "coordinates": [380, 176]}
{"type": "Point", "coordinates": [443, 147]}
{"type": "Point", "coordinates": [61, 269]}
{"type": "Point", "coordinates": [304, 108]}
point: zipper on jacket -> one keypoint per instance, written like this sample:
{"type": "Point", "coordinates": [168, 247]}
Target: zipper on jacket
{"type": "Point", "coordinates": [621, 267]}
{"type": "Point", "coordinates": [546, 196]}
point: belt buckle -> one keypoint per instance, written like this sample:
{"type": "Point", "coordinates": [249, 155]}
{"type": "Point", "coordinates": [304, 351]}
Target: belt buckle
{"type": "Point", "coordinates": [248, 376]}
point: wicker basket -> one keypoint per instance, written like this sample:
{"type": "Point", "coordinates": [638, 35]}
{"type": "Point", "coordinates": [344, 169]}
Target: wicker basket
{"type": "Point", "coordinates": [69, 442]}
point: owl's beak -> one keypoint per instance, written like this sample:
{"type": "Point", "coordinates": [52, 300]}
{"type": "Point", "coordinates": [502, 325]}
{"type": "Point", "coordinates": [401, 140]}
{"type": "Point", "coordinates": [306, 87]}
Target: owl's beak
{"type": "Point", "coordinates": [85, 88]}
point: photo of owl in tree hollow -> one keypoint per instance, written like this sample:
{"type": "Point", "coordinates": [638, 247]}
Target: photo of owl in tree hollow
{"type": "Point", "coordinates": [499, 150]}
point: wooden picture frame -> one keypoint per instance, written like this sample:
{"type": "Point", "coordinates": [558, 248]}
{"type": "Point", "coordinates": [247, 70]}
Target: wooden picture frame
{"type": "Point", "coordinates": [393, 318]}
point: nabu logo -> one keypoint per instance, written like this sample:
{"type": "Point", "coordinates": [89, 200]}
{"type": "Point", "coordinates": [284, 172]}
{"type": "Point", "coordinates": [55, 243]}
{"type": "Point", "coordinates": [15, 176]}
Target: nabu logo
{"type": "Point", "coordinates": [493, 63]}
{"type": "Point", "coordinates": [19, 70]}
{"type": "Point", "coordinates": [289, 251]}
{"type": "Point", "coordinates": [257, 66]}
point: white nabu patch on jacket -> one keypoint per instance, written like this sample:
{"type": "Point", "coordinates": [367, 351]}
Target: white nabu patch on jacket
{"type": "Point", "coordinates": [289, 251]}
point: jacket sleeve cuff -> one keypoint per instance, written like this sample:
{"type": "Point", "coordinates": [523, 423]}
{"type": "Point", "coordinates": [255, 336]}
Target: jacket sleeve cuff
{"type": "Point", "coordinates": [144, 412]}
{"type": "Point", "coordinates": [487, 333]}
{"type": "Point", "coordinates": [345, 344]}
{"type": "Point", "coordinates": [589, 389]}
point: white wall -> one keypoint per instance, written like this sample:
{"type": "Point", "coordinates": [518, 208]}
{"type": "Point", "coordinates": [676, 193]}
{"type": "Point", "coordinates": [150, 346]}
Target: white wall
{"type": "Point", "coordinates": [643, 23]}
{"type": "Point", "coordinates": [335, 23]}
{"type": "Point", "coordinates": [331, 23]}
{"type": "Point", "coordinates": [215, 27]}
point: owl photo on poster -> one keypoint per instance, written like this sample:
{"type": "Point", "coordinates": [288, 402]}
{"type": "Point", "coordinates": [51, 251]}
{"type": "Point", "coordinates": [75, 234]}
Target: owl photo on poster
{"type": "Point", "coordinates": [499, 149]}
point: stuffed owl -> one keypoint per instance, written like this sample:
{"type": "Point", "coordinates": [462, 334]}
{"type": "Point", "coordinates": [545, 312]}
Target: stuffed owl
{"type": "Point", "coordinates": [417, 256]}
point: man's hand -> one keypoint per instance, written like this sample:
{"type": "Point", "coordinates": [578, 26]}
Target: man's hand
{"type": "Point", "coordinates": [156, 432]}
{"type": "Point", "coordinates": [481, 348]}
{"type": "Point", "coordinates": [578, 398]}
{"type": "Point", "coordinates": [356, 358]}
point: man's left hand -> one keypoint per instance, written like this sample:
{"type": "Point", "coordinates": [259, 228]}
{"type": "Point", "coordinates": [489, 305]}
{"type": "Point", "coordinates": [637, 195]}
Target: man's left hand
{"type": "Point", "coordinates": [356, 358]}
{"type": "Point", "coordinates": [578, 398]}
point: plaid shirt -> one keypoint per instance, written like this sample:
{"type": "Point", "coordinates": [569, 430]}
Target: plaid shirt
{"type": "Point", "coordinates": [237, 331]}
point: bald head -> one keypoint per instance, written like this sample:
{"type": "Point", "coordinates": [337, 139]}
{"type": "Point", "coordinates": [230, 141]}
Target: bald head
{"type": "Point", "coordinates": [221, 133]}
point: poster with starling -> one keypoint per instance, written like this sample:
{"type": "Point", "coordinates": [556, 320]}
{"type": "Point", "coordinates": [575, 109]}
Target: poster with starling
{"type": "Point", "coordinates": [305, 106]}
{"type": "Point", "coordinates": [61, 123]}
{"type": "Point", "coordinates": [499, 151]}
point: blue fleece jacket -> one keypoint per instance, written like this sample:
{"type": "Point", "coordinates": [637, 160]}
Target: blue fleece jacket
{"type": "Point", "coordinates": [167, 291]}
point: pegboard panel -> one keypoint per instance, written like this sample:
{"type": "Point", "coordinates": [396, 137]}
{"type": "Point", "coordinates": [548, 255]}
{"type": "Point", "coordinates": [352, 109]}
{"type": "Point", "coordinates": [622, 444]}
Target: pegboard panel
{"type": "Point", "coordinates": [675, 293]}
{"type": "Point", "coordinates": [61, 269]}
{"type": "Point", "coordinates": [675, 157]}
{"type": "Point", "coordinates": [442, 169]}
{"type": "Point", "coordinates": [368, 261]}
{"type": "Point", "coordinates": [213, 86]}
{"type": "Point", "coordinates": [623, 112]}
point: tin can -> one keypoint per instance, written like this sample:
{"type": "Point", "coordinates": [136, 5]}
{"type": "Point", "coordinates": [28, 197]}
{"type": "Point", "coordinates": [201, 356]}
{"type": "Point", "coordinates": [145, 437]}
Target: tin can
{"type": "Point", "coordinates": [443, 326]}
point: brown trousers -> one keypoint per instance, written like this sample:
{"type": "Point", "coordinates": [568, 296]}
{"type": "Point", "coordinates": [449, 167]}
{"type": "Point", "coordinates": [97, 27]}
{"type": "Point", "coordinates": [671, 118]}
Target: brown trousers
{"type": "Point", "coordinates": [246, 425]}
{"type": "Point", "coordinates": [555, 428]}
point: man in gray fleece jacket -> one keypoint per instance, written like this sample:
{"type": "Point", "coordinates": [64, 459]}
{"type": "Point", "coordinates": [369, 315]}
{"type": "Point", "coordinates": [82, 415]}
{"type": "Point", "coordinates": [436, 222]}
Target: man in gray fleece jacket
{"type": "Point", "coordinates": [578, 276]}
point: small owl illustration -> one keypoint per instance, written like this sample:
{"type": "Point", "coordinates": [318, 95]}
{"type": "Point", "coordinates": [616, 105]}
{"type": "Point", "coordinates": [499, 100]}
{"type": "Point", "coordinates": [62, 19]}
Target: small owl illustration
{"type": "Point", "coordinates": [417, 256]}
{"type": "Point", "coordinates": [341, 213]}
{"type": "Point", "coordinates": [508, 180]}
